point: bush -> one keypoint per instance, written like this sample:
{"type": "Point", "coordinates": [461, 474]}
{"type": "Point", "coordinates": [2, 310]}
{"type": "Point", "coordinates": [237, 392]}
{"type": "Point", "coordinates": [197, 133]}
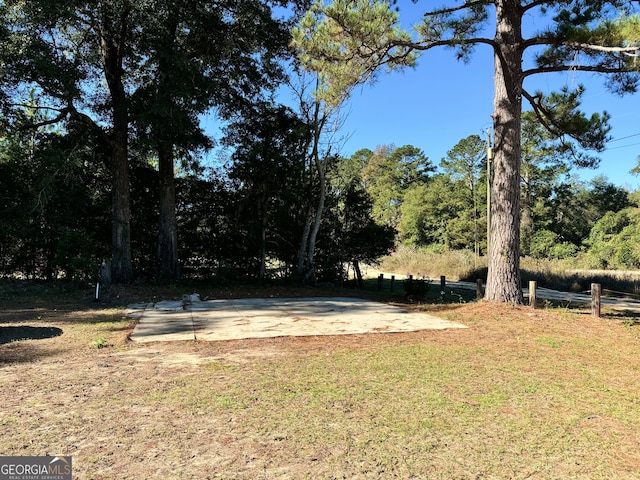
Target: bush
{"type": "Point", "coordinates": [79, 254]}
{"type": "Point", "coordinates": [416, 287]}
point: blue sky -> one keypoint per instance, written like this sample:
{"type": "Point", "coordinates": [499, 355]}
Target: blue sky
{"type": "Point", "coordinates": [442, 100]}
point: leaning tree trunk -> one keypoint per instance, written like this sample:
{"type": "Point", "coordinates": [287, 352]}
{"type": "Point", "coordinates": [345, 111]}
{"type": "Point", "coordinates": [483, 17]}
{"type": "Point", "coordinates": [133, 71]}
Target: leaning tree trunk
{"type": "Point", "coordinates": [167, 264]}
{"type": "Point", "coordinates": [503, 278]}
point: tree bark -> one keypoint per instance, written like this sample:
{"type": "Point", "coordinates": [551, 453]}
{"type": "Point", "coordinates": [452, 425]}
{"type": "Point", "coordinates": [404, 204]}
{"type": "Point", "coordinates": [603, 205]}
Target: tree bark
{"type": "Point", "coordinates": [311, 271]}
{"type": "Point", "coordinates": [112, 40]}
{"type": "Point", "coordinates": [263, 248]}
{"type": "Point", "coordinates": [304, 242]}
{"type": "Point", "coordinates": [167, 262]}
{"type": "Point", "coordinates": [321, 169]}
{"type": "Point", "coordinates": [356, 269]}
{"type": "Point", "coordinates": [121, 266]}
{"type": "Point", "coordinates": [503, 278]}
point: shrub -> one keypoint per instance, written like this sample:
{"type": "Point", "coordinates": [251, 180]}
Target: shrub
{"type": "Point", "coordinates": [416, 287]}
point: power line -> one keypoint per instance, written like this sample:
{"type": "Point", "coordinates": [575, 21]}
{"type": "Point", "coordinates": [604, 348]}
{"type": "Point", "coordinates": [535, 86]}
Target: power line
{"type": "Point", "coordinates": [622, 138]}
{"type": "Point", "coordinates": [625, 146]}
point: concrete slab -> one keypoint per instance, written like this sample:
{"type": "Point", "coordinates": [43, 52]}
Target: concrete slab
{"type": "Point", "coordinates": [164, 325]}
{"type": "Point", "coordinates": [232, 319]}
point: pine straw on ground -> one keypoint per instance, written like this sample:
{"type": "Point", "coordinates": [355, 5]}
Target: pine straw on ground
{"type": "Point", "coordinates": [521, 393]}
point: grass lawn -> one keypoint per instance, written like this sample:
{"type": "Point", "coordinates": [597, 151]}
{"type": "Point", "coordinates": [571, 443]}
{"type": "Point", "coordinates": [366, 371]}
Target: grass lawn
{"type": "Point", "coordinates": [521, 393]}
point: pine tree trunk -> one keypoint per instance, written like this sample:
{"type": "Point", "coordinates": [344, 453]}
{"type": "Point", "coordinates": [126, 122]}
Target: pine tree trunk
{"type": "Point", "coordinates": [113, 34]}
{"type": "Point", "coordinates": [121, 266]}
{"type": "Point", "coordinates": [503, 278]}
{"type": "Point", "coordinates": [167, 264]}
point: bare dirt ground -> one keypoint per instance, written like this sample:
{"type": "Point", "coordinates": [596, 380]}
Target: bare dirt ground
{"type": "Point", "coordinates": [195, 410]}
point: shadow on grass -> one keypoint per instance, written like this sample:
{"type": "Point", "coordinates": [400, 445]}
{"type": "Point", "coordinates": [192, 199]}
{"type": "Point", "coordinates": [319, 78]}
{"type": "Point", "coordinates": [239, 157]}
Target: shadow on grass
{"type": "Point", "coordinates": [26, 332]}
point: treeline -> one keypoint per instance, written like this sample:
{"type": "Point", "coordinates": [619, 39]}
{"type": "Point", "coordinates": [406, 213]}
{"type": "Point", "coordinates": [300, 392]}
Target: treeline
{"type": "Point", "coordinates": [596, 223]}
{"type": "Point", "coordinates": [245, 221]}
{"type": "Point", "coordinates": [102, 145]}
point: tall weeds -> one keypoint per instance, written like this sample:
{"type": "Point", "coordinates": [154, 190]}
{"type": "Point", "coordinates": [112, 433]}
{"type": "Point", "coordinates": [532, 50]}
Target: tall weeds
{"type": "Point", "coordinates": [424, 262]}
{"type": "Point", "coordinates": [462, 265]}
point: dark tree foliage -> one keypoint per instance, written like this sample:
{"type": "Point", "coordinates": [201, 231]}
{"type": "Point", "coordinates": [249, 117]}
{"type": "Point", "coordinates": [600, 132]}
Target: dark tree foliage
{"type": "Point", "coordinates": [270, 147]}
{"type": "Point", "coordinates": [352, 236]}
{"type": "Point", "coordinates": [199, 55]}
{"type": "Point", "coordinates": [209, 229]}
{"type": "Point", "coordinates": [158, 65]}
{"type": "Point", "coordinates": [54, 219]}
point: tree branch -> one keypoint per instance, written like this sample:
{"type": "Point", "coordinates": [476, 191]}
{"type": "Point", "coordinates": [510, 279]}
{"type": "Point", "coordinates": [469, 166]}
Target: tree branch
{"type": "Point", "coordinates": [87, 120]}
{"type": "Point", "coordinates": [465, 6]}
{"type": "Point", "coordinates": [62, 113]}
{"type": "Point", "coordinates": [579, 68]}
{"type": "Point", "coordinates": [600, 48]}
{"type": "Point", "coordinates": [536, 3]}
{"type": "Point", "coordinates": [541, 113]}
{"type": "Point", "coordinates": [44, 123]}
{"type": "Point", "coordinates": [449, 43]}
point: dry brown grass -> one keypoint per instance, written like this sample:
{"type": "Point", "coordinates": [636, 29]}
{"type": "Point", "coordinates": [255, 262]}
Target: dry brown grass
{"type": "Point", "coordinates": [454, 264]}
{"type": "Point", "coordinates": [522, 393]}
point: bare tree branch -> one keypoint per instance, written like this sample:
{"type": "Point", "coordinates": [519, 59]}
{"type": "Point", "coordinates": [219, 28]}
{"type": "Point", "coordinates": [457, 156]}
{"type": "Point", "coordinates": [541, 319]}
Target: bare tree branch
{"type": "Point", "coordinates": [452, 43]}
{"type": "Point", "coordinates": [630, 51]}
{"type": "Point", "coordinates": [581, 68]}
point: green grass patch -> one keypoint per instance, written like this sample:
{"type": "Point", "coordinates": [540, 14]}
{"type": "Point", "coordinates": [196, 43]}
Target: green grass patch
{"type": "Point", "coordinates": [399, 408]}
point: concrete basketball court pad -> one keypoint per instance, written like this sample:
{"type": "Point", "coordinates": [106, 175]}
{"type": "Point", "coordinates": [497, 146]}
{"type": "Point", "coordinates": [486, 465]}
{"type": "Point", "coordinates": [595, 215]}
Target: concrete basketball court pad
{"type": "Point", "coordinates": [233, 319]}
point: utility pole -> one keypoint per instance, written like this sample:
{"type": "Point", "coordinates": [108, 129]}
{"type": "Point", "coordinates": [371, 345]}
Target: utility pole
{"type": "Point", "coordinates": [489, 157]}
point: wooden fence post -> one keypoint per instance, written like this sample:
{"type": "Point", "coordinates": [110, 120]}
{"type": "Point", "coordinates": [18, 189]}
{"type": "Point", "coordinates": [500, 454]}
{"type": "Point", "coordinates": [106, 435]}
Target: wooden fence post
{"type": "Point", "coordinates": [380, 279]}
{"type": "Point", "coordinates": [479, 289]}
{"type": "Point", "coordinates": [393, 280]}
{"type": "Point", "coordinates": [533, 285]}
{"type": "Point", "coordinates": [443, 283]}
{"type": "Point", "coordinates": [596, 296]}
